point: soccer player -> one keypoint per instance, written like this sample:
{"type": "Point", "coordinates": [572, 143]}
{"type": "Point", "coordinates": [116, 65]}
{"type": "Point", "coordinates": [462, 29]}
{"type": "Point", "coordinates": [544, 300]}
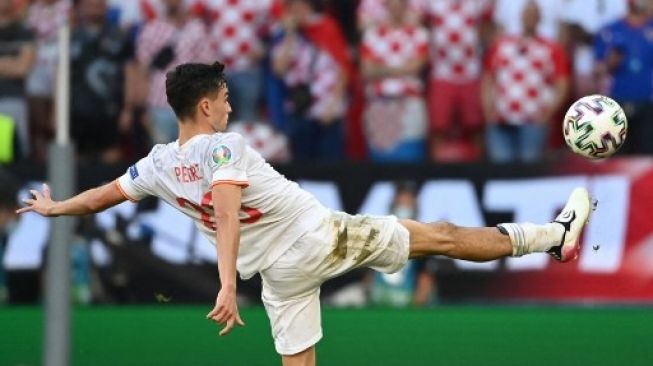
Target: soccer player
{"type": "Point", "coordinates": [262, 222]}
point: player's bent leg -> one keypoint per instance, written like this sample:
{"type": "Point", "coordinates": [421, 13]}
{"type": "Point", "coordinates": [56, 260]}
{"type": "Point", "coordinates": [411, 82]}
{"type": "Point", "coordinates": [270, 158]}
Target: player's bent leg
{"type": "Point", "coordinates": [292, 302]}
{"type": "Point", "coordinates": [559, 238]}
{"type": "Point", "coordinates": [303, 358]}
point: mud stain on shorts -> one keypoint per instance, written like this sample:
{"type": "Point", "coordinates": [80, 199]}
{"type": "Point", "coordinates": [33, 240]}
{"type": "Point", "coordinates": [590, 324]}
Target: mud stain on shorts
{"type": "Point", "coordinates": [355, 236]}
{"type": "Point", "coordinates": [340, 250]}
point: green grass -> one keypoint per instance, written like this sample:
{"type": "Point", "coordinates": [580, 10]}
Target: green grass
{"type": "Point", "coordinates": [179, 335]}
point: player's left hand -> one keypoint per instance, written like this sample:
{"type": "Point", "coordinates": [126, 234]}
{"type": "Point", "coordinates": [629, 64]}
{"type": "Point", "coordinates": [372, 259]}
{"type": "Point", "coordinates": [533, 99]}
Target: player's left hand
{"type": "Point", "coordinates": [225, 311]}
{"type": "Point", "coordinates": [41, 202]}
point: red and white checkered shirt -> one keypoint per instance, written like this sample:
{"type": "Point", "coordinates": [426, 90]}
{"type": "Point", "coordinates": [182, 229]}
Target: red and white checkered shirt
{"type": "Point", "coordinates": [374, 12]}
{"type": "Point", "coordinates": [394, 47]}
{"type": "Point", "coordinates": [235, 30]}
{"type": "Point", "coordinates": [455, 42]}
{"type": "Point", "coordinates": [319, 70]}
{"type": "Point", "coordinates": [190, 45]}
{"type": "Point", "coordinates": [525, 71]}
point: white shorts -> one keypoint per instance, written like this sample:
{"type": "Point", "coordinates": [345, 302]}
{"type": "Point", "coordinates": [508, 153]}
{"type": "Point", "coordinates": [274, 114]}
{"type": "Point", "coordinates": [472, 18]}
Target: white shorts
{"type": "Point", "coordinates": [291, 285]}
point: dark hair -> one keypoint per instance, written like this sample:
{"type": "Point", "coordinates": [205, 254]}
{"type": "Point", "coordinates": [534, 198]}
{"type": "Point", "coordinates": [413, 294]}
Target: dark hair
{"type": "Point", "coordinates": [188, 83]}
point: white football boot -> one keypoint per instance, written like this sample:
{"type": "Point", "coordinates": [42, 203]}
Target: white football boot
{"type": "Point", "coordinates": [573, 218]}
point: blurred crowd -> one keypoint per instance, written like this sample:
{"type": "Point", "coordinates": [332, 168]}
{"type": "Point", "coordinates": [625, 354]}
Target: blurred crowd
{"type": "Point", "coordinates": [378, 80]}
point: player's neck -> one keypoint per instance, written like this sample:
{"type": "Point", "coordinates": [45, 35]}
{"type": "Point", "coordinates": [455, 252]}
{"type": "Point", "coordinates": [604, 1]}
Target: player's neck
{"type": "Point", "coordinates": [189, 129]}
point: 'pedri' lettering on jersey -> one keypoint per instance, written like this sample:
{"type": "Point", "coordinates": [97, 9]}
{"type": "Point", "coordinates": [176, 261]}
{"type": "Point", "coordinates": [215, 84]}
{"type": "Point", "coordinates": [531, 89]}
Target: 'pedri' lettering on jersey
{"type": "Point", "coordinates": [187, 174]}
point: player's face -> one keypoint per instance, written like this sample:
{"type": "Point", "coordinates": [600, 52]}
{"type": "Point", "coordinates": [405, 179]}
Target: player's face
{"type": "Point", "coordinates": [7, 8]}
{"type": "Point", "coordinates": [94, 11]}
{"type": "Point", "coordinates": [220, 109]}
{"type": "Point", "coordinates": [531, 16]}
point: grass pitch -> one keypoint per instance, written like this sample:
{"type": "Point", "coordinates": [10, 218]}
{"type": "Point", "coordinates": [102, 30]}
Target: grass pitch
{"type": "Point", "coordinates": [179, 335]}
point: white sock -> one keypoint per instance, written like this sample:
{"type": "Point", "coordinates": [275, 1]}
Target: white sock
{"type": "Point", "coordinates": [529, 238]}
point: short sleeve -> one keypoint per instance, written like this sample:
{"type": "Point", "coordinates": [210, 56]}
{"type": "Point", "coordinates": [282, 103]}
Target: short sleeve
{"type": "Point", "coordinates": [367, 52]}
{"type": "Point", "coordinates": [138, 182]}
{"type": "Point", "coordinates": [601, 41]}
{"type": "Point", "coordinates": [488, 62]}
{"type": "Point", "coordinates": [227, 161]}
{"type": "Point", "coordinates": [422, 41]}
{"type": "Point", "coordinates": [561, 62]}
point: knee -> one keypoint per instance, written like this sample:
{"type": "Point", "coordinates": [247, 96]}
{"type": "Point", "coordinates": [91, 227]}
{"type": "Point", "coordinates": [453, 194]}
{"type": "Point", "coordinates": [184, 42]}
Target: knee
{"type": "Point", "coordinates": [443, 232]}
{"type": "Point", "coordinates": [436, 238]}
{"type": "Point", "coordinates": [303, 358]}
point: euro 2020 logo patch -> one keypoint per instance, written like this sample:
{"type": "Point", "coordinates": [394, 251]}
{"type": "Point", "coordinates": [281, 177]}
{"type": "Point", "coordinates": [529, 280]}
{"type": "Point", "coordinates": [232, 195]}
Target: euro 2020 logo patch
{"type": "Point", "coordinates": [221, 155]}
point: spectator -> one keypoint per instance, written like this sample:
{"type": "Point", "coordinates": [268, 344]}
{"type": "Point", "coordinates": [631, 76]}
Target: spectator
{"type": "Point", "coordinates": [129, 14]}
{"type": "Point", "coordinates": [372, 13]}
{"type": "Point", "coordinates": [415, 283]}
{"type": "Point", "coordinates": [262, 137]}
{"type": "Point", "coordinates": [392, 57]}
{"type": "Point", "coordinates": [581, 21]}
{"type": "Point", "coordinates": [44, 18]}
{"type": "Point", "coordinates": [235, 33]}
{"type": "Point", "coordinates": [624, 51]}
{"type": "Point", "coordinates": [508, 17]}
{"type": "Point", "coordinates": [101, 56]}
{"type": "Point", "coordinates": [163, 44]}
{"type": "Point", "coordinates": [17, 55]}
{"type": "Point", "coordinates": [454, 104]}
{"type": "Point", "coordinates": [312, 60]}
{"type": "Point", "coordinates": [526, 80]}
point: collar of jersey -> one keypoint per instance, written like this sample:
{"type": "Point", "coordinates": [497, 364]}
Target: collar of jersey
{"type": "Point", "coordinates": [190, 141]}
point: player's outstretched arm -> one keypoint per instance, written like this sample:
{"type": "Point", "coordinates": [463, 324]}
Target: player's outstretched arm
{"type": "Point", "coordinates": [226, 203]}
{"type": "Point", "coordinates": [88, 202]}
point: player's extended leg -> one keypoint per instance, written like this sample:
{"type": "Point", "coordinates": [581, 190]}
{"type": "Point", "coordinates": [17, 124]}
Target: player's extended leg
{"type": "Point", "coordinates": [443, 238]}
{"type": "Point", "coordinates": [303, 358]}
{"type": "Point", "coordinates": [558, 238]}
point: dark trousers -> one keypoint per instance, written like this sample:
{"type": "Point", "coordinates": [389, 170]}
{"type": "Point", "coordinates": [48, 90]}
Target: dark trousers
{"type": "Point", "coordinates": [313, 140]}
{"type": "Point", "coordinates": [639, 140]}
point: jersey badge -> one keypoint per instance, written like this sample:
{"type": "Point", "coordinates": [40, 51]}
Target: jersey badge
{"type": "Point", "coordinates": [221, 155]}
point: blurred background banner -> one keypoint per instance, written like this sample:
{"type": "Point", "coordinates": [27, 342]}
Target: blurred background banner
{"type": "Point", "coordinates": [151, 253]}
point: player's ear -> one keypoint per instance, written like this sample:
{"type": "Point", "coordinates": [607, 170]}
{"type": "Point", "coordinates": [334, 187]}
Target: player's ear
{"type": "Point", "coordinates": [204, 107]}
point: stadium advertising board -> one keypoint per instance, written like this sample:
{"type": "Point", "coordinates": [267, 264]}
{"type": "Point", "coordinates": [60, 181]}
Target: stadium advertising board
{"type": "Point", "coordinates": [616, 262]}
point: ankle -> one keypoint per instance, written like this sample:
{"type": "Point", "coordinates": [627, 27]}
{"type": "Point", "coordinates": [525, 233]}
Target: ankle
{"type": "Point", "coordinates": [529, 238]}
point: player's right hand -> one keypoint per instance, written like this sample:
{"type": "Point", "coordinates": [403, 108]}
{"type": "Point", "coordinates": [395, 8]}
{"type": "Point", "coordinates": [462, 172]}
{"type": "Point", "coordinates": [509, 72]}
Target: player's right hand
{"type": "Point", "coordinates": [41, 202]}
{"type": "Point", "coordinates": [225, 311]}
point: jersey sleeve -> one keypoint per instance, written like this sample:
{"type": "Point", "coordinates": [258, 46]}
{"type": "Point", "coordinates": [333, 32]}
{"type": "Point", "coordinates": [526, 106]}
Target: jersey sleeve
{"type": "Point", "coordinates": [560, 61]}
{"type": "Point", "coordinates": [602, 43]}
{"type": "Point", "coordinates": [489, 64]}
{"type": "Point", "coordinates": [138, 182]}
{"type": "Point", "coordinates": [226, 159]}
{"type": "Point", "coordinates": [366, 50]}
{"type": "Point", "coordinates": [422, 42]}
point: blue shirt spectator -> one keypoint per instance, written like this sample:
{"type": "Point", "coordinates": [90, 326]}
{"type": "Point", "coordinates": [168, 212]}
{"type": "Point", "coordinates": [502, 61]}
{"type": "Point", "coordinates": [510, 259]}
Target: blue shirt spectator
{"type": "Point", "coordinates": [632, 44]}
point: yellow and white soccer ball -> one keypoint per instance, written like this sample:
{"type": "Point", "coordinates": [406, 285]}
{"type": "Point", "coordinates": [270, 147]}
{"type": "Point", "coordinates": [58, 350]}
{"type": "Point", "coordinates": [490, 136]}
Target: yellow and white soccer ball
{"type": "Point", "coordinates": [595, 127]}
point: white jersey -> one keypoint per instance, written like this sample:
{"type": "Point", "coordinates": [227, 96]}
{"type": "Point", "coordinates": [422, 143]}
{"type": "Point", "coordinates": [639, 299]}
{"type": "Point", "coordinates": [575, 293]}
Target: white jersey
{"type": "Point", "coordinates": [274, 213]}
